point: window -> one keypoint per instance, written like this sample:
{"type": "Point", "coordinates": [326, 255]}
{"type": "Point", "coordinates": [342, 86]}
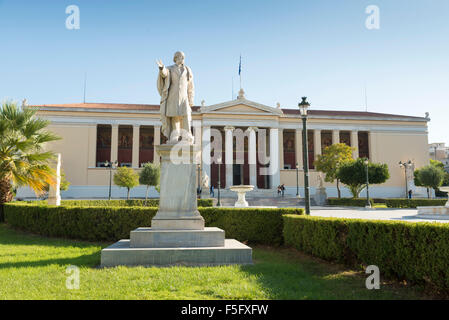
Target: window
{"type": "Point", "coordinates": [103, 153]}
{"type": "Point", "coordinates": [125, 146]}
{"type": "Point", "coordinates": [289, 149]}
{"type": "Point", "coordinates": [363, 145]}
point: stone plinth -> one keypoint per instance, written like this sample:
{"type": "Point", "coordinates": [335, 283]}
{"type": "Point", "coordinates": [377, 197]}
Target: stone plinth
{"type": "Point", "coordinates": [178, 204]}
{"type": "Point", "coordinates": [148, 237]}
{"type": "Point", "coordinates": [177, 235]}
{"type": "Point", "coordinates": [120, 253]}
{"type": "Point", "coordinates": [433, 211]}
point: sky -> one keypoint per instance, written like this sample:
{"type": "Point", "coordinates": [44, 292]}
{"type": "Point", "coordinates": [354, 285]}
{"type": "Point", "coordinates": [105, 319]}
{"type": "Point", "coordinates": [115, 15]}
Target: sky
{"type": "Point", "coordinates": [321, 49]}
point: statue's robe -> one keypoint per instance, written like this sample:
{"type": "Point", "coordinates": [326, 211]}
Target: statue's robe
{"type": "Point", "coordinates": [177, 94]}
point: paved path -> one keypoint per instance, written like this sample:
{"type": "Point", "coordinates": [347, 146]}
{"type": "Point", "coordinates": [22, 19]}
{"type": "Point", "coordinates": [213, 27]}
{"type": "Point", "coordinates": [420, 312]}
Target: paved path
{"type": "Point", "coordinates": [410, 215]}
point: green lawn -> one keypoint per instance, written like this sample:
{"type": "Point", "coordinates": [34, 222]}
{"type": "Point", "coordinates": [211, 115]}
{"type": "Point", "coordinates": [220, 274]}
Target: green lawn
{"type": "Point", "coordinates": [33, 267]}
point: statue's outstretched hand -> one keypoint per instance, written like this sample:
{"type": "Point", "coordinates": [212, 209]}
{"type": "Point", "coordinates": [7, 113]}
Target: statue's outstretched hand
{"type": "Point", "coordinates": [160, 64]}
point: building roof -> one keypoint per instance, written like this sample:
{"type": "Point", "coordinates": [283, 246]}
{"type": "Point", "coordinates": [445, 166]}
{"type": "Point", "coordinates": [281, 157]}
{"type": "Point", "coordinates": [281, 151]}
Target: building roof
{"type": "Point", "coordinates": [99, 107]}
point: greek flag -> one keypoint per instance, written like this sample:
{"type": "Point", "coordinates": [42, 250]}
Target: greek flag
{"type": "Point", "coordinates": [240, 65]}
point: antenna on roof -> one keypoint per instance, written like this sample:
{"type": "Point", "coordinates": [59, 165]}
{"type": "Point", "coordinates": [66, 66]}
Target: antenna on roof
{"type": "Point", "coordinates": [85, 80]}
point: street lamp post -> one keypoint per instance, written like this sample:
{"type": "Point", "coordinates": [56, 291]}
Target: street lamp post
{"type": "Point", "coordinates": [219, 182]}
{"type": "Point", "coordinates": [368, 203]}
{"type": "Point", "coordinates": [405, 165]}
{"type": "Point", "coordinates": [303, 110]}
{"type": "Point", "coordinates": [199, 181]}
{"type": "Point", "coordinates": [297, 179]}
{"type": "Point", "coordinates": [110, 165]}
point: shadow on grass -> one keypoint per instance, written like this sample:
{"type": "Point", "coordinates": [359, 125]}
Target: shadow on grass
{"type": "Point", "coordinates": [90, 260]}
{"type": "Point", "coordinates": [287, 274]}
{"type": "Point", "coordinates": [10, 236]}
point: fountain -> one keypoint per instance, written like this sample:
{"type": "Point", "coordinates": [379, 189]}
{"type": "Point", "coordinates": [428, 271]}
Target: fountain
{"type": "Point", "coordinates": [436, 210]}
{"type": "Point", "coordinates": [241, 192]}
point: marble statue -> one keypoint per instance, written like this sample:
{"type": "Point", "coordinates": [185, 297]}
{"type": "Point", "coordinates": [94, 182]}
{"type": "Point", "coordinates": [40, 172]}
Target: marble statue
{"type": "Point", "coordinates": [320, 180]}
{"type": "Point", "coordinates": [205, 181]}
{"type": "Point", "coordinates": [176, 88]}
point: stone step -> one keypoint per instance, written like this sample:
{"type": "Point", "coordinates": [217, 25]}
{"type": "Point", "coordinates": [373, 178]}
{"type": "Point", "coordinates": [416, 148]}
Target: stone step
{"type": "Point", "coordinates": [152, 238]}
{"type": "Point", "coordinates": [120, 253]}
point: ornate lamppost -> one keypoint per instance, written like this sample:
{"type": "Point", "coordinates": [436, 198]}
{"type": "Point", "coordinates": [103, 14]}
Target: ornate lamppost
{"type": "Point", "coordinates": [219, 181]}
{"type": "Point", "coordinates": [405, 165]}
{"type": "Point", "coordinates": [110, 165]}
{"type": "Point", "coordinates": [303, 106]}
{"type": "Point", "coordinates": [368, 203]}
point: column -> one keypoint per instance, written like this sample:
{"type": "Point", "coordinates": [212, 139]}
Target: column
{"type": "Point", "coordinates": [92, 146]}
{"type": "Point", "coordinates": [274, 158]}
{"type": "Point", "coordinates": [372, 146]}
{"type": "Point", "coordinates": [229, 154]}
{"type": "Point", "coordinates": [252, 156]}
{"type": "Point", "coordinates": [114, 143]}
{"type": "Point", "coordinates": [299, 148]}
{"type": "Point", "coordinates": [355, 144]}
{"type": "Point", "coordinates": [317, 142]}
{"type": "Point", "coordinates": [136, 146]}
{"type": "Point", "coordinates": [157, 142]}
{"type": "Point", "coordinates": [197, 133]}
{"type": "Point", "coordinates": [281, 149]}
{"type": "Point", "coordinates": [205, 144]}
{"type": "Point", "coordinates": [335, 136]}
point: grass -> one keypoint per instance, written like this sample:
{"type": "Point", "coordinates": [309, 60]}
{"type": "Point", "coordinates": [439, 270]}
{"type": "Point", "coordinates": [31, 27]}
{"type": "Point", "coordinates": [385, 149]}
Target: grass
{"type": "Point", "coordinates": [34, 267]}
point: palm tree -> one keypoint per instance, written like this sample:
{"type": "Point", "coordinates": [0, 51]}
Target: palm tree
{"type": "Point", "coordinates": [23, 162]}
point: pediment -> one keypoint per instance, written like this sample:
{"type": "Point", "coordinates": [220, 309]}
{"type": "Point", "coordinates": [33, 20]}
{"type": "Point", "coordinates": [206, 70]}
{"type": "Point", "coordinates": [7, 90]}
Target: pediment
{"type": "Point", "coordinates": [241, 106]}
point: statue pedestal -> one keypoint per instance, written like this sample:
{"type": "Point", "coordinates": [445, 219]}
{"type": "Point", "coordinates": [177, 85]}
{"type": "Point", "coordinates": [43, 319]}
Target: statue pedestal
{"type": "Point", "coordinates": [178, 203]}
{"type": "Point", "coordinates": [177, 235]}
{"type": "Point", "coordinates": [320, 196]}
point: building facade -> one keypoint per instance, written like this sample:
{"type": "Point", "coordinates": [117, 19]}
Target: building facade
{"type": "Point", "coordinates": [439, 152]}
{"type": "Point", "coordinates": [94, 133]}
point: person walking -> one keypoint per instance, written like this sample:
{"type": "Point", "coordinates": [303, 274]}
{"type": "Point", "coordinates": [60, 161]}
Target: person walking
{"type": "Point", "coordinates": [283, 189]}
{"type": "Point", "coordinates": [212, 193]}
{"type": "Point", "coordinates": [410, 194]}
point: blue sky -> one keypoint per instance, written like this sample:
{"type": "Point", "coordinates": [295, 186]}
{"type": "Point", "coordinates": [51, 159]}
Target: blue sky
{"type": "Point", "coordinates": [320, 49]}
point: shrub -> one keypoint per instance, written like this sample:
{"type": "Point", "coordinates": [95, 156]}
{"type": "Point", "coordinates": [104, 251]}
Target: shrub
{"type": "Point", "coordinates": [262, 226]}
{"type": "Point", "coordinates": [120, 203]}
{"type": "Point", "coordinates": [350, 202]}
{"type": "Point", "coordinates": [416, 252]}
{"type": "Point", "coordinates": [413, 203]}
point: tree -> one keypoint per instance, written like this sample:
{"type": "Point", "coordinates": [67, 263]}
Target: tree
{"type": "Point", "coordinates": [331, 159]}
{"type": "Point", "coordinates": [150, 176]}
{"type": "Point", "coordinates": [63, 186]}
{"type": "Point", "coordinates": [22, 158]}
{"type": "Point", "coordinates": [430, 176]}
{"type": "Point", "coordinates": [353, 174]}
{"type": "Point", "coordinates": [126, 178]}
{"type": "Point", "coordinates": [440, 165]}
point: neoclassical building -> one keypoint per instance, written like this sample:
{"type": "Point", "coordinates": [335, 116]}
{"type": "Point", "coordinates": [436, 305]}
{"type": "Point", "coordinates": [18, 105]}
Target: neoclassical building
{"type": "Point", "coordinates": [96, 133]}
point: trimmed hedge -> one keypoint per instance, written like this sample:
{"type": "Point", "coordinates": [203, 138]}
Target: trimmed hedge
{"type": "Point", "coordinates": [416, 252]}
{"type": "Point", "coordinates": [118, 203]}
{"type": "Point", "coordinates": [254, 225]}
{"type": "Point", "coordinates": [349, 202]}
{"type": "Point", "coordinates": [413, 203]}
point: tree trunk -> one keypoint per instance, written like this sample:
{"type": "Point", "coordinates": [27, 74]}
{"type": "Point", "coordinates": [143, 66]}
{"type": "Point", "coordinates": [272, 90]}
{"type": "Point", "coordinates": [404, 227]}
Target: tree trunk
{"type": "Point", "coordinates": [428, 193]}
{"type": "Point", "coordinates": [128, 193]}
{"type": "Point", "coordinates": [146, 196]}
{"type": "Point", "coordinates": [5, 190]}
{"type": "Point", "coordinates": [338, 189]}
